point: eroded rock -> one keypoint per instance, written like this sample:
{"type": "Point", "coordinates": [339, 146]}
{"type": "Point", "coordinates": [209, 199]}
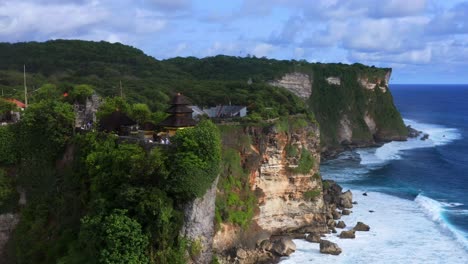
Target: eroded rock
{"type": "Point", "coordinates": [284, 247]}
{"type": "Point", "coordinates": [341, 224]}
{"type": "Point", "coordinates": [360, 226]}
{"type": "Point", "coordinates": [327, 247]}
{"type": "Point", "coordinates": [348, 234]}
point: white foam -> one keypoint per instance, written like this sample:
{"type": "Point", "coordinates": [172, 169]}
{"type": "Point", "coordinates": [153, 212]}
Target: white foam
{"type": "Point", "coordinates": [435, 210]}
{"type": "Point", "coordinates": [400, 232]}
{"type": "Point", "coordinates": [438, 136]}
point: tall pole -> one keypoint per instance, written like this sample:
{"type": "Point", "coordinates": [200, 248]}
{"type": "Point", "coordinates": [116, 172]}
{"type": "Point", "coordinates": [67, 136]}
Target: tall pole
{"type": "Point", "coordinates": [121, 91]}
{"type": "Point", "coordinates": [25, 87]}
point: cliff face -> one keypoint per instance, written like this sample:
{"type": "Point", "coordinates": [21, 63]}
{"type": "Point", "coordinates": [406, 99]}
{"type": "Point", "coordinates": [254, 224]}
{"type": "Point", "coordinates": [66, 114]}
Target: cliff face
{"type": "Point", "coordinates": [283, 166]}
{"type": "Point", "coordinates": [283, 201]}
{"type": "Point", "coordinates": [298, 83]}
{"type": "Point", "coordinates": [198, 224]}
{"type": "Point", "coordinates": [353, 105]}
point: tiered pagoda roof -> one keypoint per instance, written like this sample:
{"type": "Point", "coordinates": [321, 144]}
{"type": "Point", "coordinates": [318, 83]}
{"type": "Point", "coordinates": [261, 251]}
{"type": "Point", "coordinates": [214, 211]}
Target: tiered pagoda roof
{"type": "Point", "coordinates": [180, 113]}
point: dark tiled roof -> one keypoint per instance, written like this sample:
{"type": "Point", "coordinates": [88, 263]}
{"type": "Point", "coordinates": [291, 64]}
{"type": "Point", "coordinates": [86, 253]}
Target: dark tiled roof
{"type": "Point", "coordinates": [113, 121]}
{"type": "Point", "coordinates": [179, 99]}
{"type": "Point", "coordinates": [179, 109]}
{"type": "Point", "coordinates": [178, 121]}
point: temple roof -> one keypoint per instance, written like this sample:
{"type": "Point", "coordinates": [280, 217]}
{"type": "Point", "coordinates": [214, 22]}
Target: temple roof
{"type": "Point", "coordinates": [113, 121]}
{"type": "Point", "coordinates": [179, 99]}
{"type": "Point", "coordinates": [179, 109]}
{"type": "Point", "coordinates": [178, 121]}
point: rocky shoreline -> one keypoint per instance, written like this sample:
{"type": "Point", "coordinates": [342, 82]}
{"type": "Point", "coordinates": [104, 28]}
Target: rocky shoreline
{"type": "Point", "coordinates": [337, 203]}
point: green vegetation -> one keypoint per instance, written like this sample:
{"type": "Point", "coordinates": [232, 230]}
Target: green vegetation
{"type": "Point", "coordinates": [195, 160]}
{"type": "Point", "coordinates": [306, 162]}
{"type": "Point", "coordinates": [235, 202]}
{"type": "Point", "coordinates": [8, 150]}
{"type": "Point", "coordinates": [92, 199]}
{"type": "Point", "coordinates": [6, 187]}
{"type": "Point", "coordinates": [312, 194]}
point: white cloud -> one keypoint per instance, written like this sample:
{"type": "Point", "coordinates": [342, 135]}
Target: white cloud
{"type": "Point", "coordinates": [263, 49]}
{"type": "Point", "coordinates": [26, 20]}
{"type": "Point", "coordinates": [423, 56]}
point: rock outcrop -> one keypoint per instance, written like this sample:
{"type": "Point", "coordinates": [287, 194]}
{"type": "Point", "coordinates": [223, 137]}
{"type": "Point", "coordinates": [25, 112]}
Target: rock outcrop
{"type": "Point", "coordinates": [282, 204]}
{"type": "Point", "coordinates": [348, 234]}
{"type": "Point", "coordinates": [198, 224]}
{"type": "Point", "coordinates": [327, 247]}
{"type": "Point", "coordinates": [289, 197]}
{"type": "Point", "coordinates": [284, 247]}
{"type": "Point", "coordinates": [298, 83]}
{"type": "Point", "coordinates": [360, 226]}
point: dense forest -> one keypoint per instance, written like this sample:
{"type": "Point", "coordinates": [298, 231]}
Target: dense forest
{"type": "Point", "coordinates": [207, 82]}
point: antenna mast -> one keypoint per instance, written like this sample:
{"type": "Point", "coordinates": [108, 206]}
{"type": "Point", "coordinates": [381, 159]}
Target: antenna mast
{"type": "Point", "coordinates": [25, 87]}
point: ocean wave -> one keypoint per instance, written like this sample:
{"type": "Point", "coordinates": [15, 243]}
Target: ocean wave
{"type": "Point", "coordinates": [435, 211]}
{"type": "Point", "coordinates": [400, 232]}
{"type": "Point", "coordinates": [438, 136]}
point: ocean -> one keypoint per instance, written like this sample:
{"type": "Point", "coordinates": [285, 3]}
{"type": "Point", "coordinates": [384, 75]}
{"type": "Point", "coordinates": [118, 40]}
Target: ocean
{"type": "Point", "coordinates": [417, 191]}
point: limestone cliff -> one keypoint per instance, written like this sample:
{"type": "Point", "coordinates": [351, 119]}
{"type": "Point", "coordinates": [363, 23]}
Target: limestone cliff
{"type": "Point", "coordinates": [282, 163]}
{"type": "Point", "coordinates": [298, 83]}
{"type": "Point", "coordinates": [352, 103]}
{"type": "Point", "coordinates": [198, 225]}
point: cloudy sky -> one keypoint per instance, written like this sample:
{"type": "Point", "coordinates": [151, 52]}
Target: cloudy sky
{"type": "Point", "coordinates": [424, 41]}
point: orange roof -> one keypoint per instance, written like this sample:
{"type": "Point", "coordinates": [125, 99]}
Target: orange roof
{"type": "Point", "coordinates": [16, 102]}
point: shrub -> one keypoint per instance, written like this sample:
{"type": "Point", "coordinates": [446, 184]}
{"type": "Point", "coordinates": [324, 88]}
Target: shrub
{"type": "Point", "coordinates": [312, 194]}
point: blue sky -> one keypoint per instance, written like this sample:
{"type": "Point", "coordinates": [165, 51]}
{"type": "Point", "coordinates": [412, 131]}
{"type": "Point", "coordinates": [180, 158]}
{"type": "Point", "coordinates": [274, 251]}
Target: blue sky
{"type": "Point", "coordinates": [424, 41]}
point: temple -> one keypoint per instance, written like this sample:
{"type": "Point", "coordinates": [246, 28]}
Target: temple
{"type": "Point", "coordinates": [180, 115]}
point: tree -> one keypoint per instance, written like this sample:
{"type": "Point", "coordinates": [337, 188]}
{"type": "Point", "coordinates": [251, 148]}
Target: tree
{"type": "Point", "coordinates": [81, 92]}
{"type": "Point", "coordinates": [47, 91]}
{"type": "Point", "coordinates": [45, 128]}
{"type": "Point", "coordinates": [141, 113]}
{"type": "Point", "coordinates": [195, 160]}
{"type": "Point", "coordinates": [111, 105]}
{"type": "Point", "coordinates": [114, 239]}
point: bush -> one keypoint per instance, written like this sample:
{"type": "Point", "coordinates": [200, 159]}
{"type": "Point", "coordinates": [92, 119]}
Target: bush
{"type": "Point", "coordinates": [6, 187]}
{"type": "Point", "coordinates": [194, 160]}
{"type": "Point", "coordinates": [8, 150]}
{"type": "Point", "coordinates": [116, 238]}
{"type": "Point", "coordinates": [312, 194]}
{"type": "Point", "coordinates": [306, 162]}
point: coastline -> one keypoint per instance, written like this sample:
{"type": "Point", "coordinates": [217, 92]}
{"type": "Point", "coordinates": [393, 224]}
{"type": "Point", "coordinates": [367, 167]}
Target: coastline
{"type": "Point", "coordinates": [400, 232]}
{"type": "Point", "coordinates": [403, 229]}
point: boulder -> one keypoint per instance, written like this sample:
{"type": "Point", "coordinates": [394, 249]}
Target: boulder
{"type": "Point", "coordinates": [327, 247]}
{"type": "Point", "coordinates": [314, 238]}
{"type": "Point", "coordinates": [346, 199]}
{"type": "Point", "coordinates": [426, 136]}
{"type": "Point", "coordinates": [284, 247]}
{"type": "Point", "coordinates": [345, 212]}
{"type": "Point", "coordinates": [336, 215]}
{"type": "Point", "coordinates": [331, 223]}
{"type": "Point", "coordinates": [347, 234]}
{"type": "Point", "coordinates": [333, 230]}
{"type": "Point", "coordinates": [241, 253]}
{"type": "Point", "coordinates": [266, 245]}
{"type": "Point", "coordinates": [360, 226]}
{"type": "Point", "coordinates": [341, 224]}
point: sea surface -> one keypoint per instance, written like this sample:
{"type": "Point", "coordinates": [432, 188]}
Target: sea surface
{"type": "Point", "coordinates": [417, 190]}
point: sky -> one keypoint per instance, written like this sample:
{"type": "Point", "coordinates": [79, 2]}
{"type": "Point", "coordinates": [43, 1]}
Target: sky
{"type": "Point", "coordinates": [424, 41]}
